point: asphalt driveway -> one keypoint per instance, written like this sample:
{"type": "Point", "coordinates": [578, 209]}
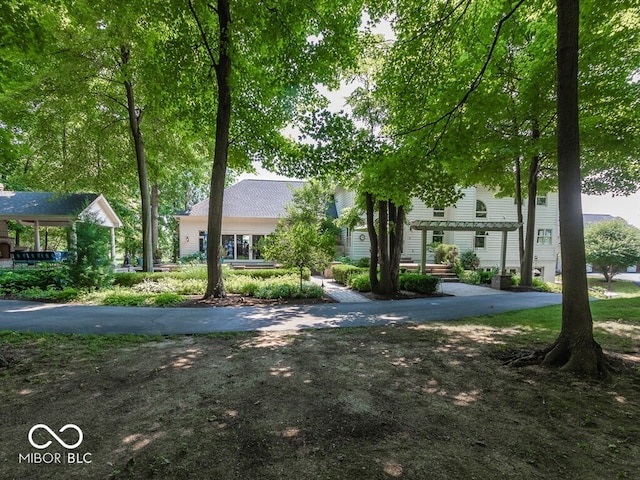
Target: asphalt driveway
{"type": "Point", "coordinates": [25, 316]}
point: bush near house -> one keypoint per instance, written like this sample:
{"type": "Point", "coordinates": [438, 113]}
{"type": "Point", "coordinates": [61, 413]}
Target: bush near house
{"type": "Point", "coordinates": [359, 281]}
{"type": "Point", "coordinates": [469, 260]}
{"type": "Point", "coordinates": [411, 282]}
{"type": "Point", "coordinates": [446, 254]}
{"type": "Point", "coordinates": [341, 272]}
{"type": "Point", "coordinates": [415, 282]}
{"type": "Point", "coordinates": [478, 277]}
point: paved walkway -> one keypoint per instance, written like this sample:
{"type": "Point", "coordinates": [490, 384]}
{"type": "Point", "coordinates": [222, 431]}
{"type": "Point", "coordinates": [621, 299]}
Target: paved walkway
{"type": "Point", "coordinates": [338, 292]}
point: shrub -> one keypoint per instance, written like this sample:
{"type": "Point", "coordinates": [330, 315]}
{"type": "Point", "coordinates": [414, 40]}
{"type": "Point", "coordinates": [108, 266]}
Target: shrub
{"type": "Point", "coordinates": [415, 282]}
{"type": "Point", "coordinates": [124, 299]}
{"type": "Point", "coordinates": [191, 272]}
{"type": "Point", "coordinates": [486, 276]}
{"type": "Point", "coordinates": [469, 260]}
{"type": "Point", "coordinates": [242, 285]}
{"type": "Point", "coordinates": [445, 253]}
{"type": "Point", "coordinates": [149, 286]}
{"type": "Point", "coordinates": [192, 286]}
{"type": "Point", "coordinates": [67, 294]}
{"type": "Point", "coordinates": [341, 272]}
{"type": "Point", "coordinates": [89, 264]}
{"type": "Point", "coordinates": [478, 277]}
{"type": "Point", "coordinates": [267, 273]}
{"type": "Point", "coordinates": [129, 279]}
{"type": "Point", "coordinates": [166, 299]}
{"type": "Point", "coordinates": [541, 285]}
{"type": "Point", "coordinates": [346, 260]}
{"type": "Point", "coordinates": [44, 278]}
{"type": "Point", "coordinates": [364, 262]}
{"type": "Point", "coordinates": [457, 267]}
{"type": "Point", "coordinates": [288, 290]}
{"type": "Point", "coordinates": [359, 282]}
{"type": "Point", "coordinates": [193, 258]}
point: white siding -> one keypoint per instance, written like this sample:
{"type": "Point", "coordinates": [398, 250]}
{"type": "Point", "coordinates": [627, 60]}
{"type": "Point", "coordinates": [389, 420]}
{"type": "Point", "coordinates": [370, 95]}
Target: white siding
{"type": "Point", "coordinates": [498, 210]}
{"type": "Point", "coordinates": [190, 228]}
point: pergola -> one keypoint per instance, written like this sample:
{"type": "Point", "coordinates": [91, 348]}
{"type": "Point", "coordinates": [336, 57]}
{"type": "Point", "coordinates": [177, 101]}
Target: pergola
{"type": "Point", "coordinates": [46, 209]}
{"type": "Point", "coordinates": [425, 225]}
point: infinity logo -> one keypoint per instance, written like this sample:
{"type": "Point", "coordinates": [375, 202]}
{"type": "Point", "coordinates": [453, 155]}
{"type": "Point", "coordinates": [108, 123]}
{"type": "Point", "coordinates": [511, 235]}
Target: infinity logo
{"type": "Point", "coordinates": [59, 440]}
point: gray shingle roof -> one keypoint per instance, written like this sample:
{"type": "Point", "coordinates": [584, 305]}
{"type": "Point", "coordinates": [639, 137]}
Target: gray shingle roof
{"type": "Point", "coordinates": [589, 218]}
{"type": "Point", "coordinates": [38, 204]}
{"type": "Point", "coordinates": [252, 199]}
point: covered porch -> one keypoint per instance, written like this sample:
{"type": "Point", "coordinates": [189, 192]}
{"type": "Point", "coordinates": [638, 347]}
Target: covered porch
{"type": "Point", "coordinates": [46, 209]}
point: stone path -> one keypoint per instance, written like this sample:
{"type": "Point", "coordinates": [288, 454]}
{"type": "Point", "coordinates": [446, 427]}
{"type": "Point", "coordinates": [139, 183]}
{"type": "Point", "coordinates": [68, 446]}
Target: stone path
{"type": "Point", "coordinates": [338, 292]}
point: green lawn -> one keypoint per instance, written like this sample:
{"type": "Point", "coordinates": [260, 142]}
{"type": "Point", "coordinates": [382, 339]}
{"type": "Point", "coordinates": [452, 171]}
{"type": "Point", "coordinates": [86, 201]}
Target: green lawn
{"type": "Point", "coordinates": [621, 288]}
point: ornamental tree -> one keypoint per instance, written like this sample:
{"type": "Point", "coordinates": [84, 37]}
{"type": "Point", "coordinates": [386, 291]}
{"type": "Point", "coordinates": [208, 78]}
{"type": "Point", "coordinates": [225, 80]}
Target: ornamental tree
{"type": "Point", "coordinates": [611, 246]}
{"type": "Point", "coordinates": [305, 237]}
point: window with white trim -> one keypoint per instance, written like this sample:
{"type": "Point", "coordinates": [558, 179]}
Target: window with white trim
{"type": "Point", "coordinates": [438, 236]}
{"type": "Point", "coordinates": [480, 240]}
{"type": "Point", "coordinates": [438, 211]}
{"type": "Point", "coordinates": [545, 236]}
{"type": "Point", "coordinates": [541, 200]}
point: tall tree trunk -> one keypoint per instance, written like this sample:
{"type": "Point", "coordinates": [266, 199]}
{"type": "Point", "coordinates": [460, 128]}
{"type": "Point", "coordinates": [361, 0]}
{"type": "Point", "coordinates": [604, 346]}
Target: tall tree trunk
{"type": "Point", "coordinates": [386, 244]}
{"type": "Point", "coordinates": [215, 286]}
{"type": "Point", "coordinates": [154, 222]}
{"type": "Point", "coordinates": [397, 237]}
{"type": "Point", "coordinates": [526, 267]}
{"type": "Point", "coordinates": [386, 286]}
{"type": "Point", "coordinates": [135, 119]}
{"type": "Point", "coordinates": [519, 209]}
{"type": "Point", "coordinates": [575, 349]}
{"type": "Point", "coordinates": [373, 241]}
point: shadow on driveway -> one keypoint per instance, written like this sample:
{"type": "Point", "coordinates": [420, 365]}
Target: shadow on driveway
{"type": "Point", "coordinates": [24, 316]}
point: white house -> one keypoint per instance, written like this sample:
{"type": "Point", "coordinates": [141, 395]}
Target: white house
{"type": "Point", "coordinates": [250, 211]}
{"type": "Point", "coordinates": [252, 207]}
{"type": "Point", "coordinates": [480, 205]}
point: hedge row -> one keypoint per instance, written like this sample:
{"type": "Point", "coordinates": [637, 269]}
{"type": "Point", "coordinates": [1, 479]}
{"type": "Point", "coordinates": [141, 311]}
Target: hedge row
{"type": "Point", "coordinates": [412, 282]}
{"type": "Point", "coordinates": [342, 272]}
{"type": "Point", "coordinates": [267, 273]}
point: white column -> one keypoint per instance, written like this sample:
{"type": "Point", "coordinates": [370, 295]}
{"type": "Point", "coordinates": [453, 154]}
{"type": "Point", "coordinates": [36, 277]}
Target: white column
{"type": "Point", "coordinates": [423, 251]}
{"type": "Point", "coordinates": [503, 259]}
{"type": "Point", "coordinates": [113, 245]}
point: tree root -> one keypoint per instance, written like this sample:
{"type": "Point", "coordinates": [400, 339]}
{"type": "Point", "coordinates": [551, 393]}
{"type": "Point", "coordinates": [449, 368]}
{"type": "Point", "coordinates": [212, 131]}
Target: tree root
{"type": "Point", "coordinates": [3, 361]}
{"type": "Point", "coordinates": [585, 360]}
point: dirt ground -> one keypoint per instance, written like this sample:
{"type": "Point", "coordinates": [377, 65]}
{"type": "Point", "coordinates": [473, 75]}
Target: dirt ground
{"type": "Point", "coordinates": [236, 300]}
{"type": "Point", "coordinates": [413, 402]}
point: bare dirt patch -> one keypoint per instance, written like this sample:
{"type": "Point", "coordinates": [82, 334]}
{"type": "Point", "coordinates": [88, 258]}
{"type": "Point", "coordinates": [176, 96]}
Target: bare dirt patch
{"type": "Point", "coordinates": [414, 402]}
